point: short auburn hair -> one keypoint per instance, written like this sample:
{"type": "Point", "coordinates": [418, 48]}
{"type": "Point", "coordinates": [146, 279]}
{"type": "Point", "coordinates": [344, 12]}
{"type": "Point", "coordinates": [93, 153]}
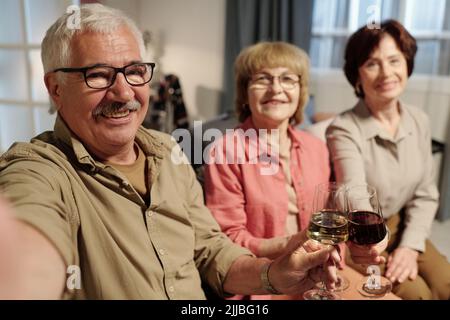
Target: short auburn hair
{"type": "Point", "coordinates": [364, 41]}
{"type": "Point", "coordinates": [262, 55]}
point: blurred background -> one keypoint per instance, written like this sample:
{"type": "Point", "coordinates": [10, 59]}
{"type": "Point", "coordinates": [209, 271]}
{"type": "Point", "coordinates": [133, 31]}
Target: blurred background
{"type": "Point", "coordinates": [194, 43]}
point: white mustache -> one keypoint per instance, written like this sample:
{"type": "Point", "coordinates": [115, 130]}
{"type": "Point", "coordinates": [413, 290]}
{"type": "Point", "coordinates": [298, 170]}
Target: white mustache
{"type": "Point", "coordinates": [115, 106]}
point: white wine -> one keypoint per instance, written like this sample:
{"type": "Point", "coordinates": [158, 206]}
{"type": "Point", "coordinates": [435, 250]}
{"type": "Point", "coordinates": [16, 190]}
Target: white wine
{"type": "Point", "coordinates": [328, 227]}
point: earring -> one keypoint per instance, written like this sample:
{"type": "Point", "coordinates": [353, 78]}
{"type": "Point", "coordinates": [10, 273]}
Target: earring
{"type": "Point", "coordinates": [358, 89]}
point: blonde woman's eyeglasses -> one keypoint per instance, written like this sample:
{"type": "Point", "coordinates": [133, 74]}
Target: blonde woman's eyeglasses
{"type": "Point", "coordinates": [287, 81]}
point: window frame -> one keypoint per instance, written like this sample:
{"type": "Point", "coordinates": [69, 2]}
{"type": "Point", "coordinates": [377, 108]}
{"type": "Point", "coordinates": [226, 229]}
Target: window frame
{"type": "Point", "coordinates": [404, 16]}
{"type": "Point", "coordinates": [27, 47]}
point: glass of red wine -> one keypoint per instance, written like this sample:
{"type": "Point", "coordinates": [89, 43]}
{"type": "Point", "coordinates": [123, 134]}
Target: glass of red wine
{"type": "Point", "coordinates": [327, 225]}
{"type": "Point", "coordinates": [366, 227]}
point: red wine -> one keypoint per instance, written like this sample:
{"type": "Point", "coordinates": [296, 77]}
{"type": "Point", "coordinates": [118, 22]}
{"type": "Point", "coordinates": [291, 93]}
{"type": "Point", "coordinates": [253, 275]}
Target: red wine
{"type": "Point", "coordinates": [365, 227]}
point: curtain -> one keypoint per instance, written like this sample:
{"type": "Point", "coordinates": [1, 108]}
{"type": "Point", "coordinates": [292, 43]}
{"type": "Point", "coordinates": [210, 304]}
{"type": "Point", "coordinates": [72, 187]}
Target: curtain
{"type": "Point", "coordinates": [444, 64]}
{"type": "Point", "coordinates": [444, 69]}
{"type": "Point", "coordinates": [444, 208]}
{"type": "Point", "coordinates": [252, 21]}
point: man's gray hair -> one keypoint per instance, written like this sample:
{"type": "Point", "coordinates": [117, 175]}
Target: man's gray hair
{"type": "Point", "coordinates": [56, 50]}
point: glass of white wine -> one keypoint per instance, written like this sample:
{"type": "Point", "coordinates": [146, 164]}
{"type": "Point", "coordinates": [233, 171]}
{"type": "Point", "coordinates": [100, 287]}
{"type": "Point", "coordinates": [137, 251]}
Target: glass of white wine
{"type": "Point", "coordinates": [328, 225]}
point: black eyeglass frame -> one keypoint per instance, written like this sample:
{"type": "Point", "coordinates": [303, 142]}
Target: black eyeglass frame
{"type": "Point", "coordinates": [116, 71]}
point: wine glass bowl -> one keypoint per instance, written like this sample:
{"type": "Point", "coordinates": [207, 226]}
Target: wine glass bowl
{"type": "Point", "coordinates": [328, 227]}
{"type": "Point", "coordinates": [366, 226]}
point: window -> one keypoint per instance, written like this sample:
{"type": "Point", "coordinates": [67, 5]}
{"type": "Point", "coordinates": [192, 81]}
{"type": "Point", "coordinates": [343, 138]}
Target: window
{"type": "Point", "coordinates": [428, 21]}
{"type": "Point", "coordinates": [24, 102]}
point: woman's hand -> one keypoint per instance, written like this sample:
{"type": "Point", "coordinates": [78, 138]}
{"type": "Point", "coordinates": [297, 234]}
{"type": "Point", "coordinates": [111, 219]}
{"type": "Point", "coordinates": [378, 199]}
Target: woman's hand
{"type": "Point", "coordinates": [402, 264]}
{"type": "Point", "coordinates": [369, 254]}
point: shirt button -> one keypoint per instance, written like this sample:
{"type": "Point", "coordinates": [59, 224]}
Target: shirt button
{"type": "Point", "coordinates": [125, 183]}
{"type": "Point", "coordinates": [162, 252]}
{"type": "Point", "coordinates": [171, 289]}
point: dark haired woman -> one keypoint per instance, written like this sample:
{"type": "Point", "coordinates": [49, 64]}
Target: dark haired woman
{"type": "Point", "coordinates": [387, 144]}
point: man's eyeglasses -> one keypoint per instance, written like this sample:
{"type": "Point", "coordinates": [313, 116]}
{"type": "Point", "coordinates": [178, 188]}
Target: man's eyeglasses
{"type": "Point", "coordinates": [287, 81]}
{"type": "Point", "coordinates": [103, 77]}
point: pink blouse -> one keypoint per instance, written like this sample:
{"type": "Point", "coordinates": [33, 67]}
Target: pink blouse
{"type": "Point", "coordinates": [251, 205]}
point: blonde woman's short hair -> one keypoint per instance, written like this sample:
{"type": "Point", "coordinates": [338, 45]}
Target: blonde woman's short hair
{"type": "Point", "coordinates": [270, 55]}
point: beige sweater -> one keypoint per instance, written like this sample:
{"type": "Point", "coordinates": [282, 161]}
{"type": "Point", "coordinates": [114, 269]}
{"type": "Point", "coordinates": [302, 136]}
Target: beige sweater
{"type": "Point", "coordinates": [399, 168]}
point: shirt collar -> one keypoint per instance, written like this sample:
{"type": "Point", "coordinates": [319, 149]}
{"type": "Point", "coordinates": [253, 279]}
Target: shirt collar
{"type": "Point", "coordinates": [64, 134]}
{"type": "Point", "coordinates": [151, 145]}
{"type": "Point", "coordinates": [370, 127]}
{"type": "Point", "coordinates": [293, 134]}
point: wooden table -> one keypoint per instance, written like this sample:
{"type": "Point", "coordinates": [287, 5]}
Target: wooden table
{"type": "Point", "coordinates": [351, 293]}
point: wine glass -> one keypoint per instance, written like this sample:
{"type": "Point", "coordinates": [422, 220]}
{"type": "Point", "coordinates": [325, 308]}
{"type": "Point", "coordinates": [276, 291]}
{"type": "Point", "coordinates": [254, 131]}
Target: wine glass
{"type": "Point", "coordinates": [328, 225]}
{"type": "Point", "coordinates": [343, 283]}
{"type": "Point", "coordinates": [366, 227]}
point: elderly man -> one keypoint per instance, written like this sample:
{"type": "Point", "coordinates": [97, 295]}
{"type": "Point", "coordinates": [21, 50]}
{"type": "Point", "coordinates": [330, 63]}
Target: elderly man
{"type": "Point", "coordinates": [99, 200]}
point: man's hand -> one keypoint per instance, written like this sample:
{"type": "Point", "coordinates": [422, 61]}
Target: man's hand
{"type": "Point", "coordinates": [369, 254]}
{"type": "Point", "coordinates": [295, 241]}
{"type": "Point", "coordinates": [402, 264]}
{"type": "Point", "coordinates": [274, 247]}
{"type": "Point", "coordinates": [299, 270]}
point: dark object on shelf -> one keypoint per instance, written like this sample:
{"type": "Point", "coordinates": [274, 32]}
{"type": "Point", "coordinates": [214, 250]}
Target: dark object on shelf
{"type": "Point", "coordinates": [167, 110]}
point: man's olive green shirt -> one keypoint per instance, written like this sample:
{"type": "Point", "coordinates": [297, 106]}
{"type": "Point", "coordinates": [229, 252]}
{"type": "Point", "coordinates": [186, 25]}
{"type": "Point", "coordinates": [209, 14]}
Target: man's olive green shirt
{"type": "Point", "coordinates": [99, 223]}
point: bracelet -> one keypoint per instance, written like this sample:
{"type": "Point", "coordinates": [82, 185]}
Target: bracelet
{"type": "Point", "coordinates": [265, 279]}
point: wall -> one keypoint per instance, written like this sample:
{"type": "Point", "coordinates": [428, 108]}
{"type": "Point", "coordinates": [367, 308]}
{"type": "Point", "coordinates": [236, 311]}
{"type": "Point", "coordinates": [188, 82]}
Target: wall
{"type": "Point", "coordinates": [130, 7]}
{"type": "Point", "coordinates": [190, 36]}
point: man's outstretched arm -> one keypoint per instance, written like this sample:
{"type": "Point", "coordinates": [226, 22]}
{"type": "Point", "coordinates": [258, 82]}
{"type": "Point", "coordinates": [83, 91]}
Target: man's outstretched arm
{"type": "Point", "coordinates": [30, 265]}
